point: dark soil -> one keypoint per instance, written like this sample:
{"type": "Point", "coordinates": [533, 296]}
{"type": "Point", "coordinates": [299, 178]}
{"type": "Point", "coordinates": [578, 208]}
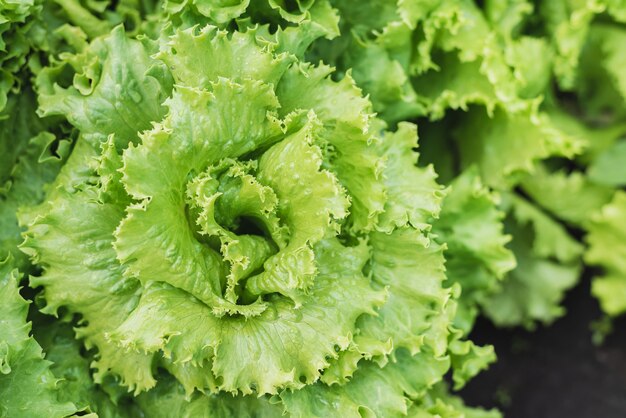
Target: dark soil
{"type": "Point", "coordinates": [555, 371]}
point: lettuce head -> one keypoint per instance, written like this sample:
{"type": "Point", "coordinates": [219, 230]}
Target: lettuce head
{"type": "Point", "coordinates": [235, 231]}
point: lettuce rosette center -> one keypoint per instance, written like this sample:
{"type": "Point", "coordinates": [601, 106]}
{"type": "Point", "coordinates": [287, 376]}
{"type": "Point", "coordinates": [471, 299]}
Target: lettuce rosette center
{"type": "Point", "coordinates": [235, 215]}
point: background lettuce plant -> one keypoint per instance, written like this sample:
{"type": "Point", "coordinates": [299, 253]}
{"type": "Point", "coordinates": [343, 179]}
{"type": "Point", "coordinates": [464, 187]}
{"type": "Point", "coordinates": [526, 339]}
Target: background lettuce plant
{"type": "Point", "coordinates": [523, 92]}
{"type": "Point", "coordinates": [461, 75]}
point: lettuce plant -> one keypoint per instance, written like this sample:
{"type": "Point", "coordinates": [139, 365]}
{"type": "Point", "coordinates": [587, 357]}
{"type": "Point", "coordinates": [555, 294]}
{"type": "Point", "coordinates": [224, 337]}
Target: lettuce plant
{"type": "Point", "coordinates": [239, 233]}
{"type": "Point", "coordinates": [589, 68]}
